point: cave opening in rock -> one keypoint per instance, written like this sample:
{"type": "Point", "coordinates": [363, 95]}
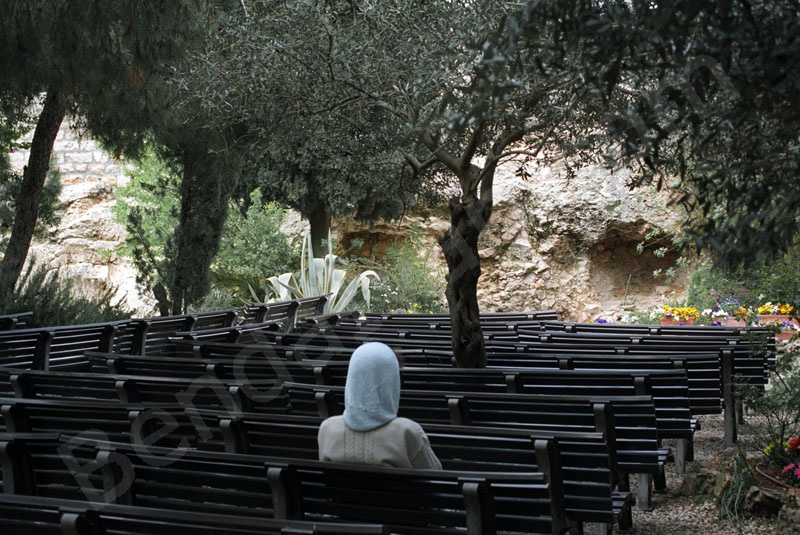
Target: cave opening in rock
{"type": "Point", "coordinates": [621, 274]}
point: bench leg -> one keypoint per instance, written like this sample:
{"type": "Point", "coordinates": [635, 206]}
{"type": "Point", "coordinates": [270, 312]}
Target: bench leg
{"type": "Point", "coordinates": [690, 450]}
{"type": "Point", "coordinates": [624, 482]}
{"type": "Point", "coordinates": [681, 453]}
{"type": "Point", "coordinates": [660, 481]}
{"type": "Point", "coordinates": [625, 520]}
{"type": "Point", "coordinates": [740, 411]}
{"type": "Point", "coordinates": [645, 492]}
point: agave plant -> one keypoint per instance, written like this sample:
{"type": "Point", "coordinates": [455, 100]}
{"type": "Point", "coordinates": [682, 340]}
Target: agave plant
{"type": "Point", "coordinates": [320, 276]}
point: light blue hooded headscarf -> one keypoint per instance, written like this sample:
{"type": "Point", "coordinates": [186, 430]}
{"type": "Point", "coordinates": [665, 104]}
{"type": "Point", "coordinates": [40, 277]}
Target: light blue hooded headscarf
{"type": "Point", "coordinates": [372, 390]}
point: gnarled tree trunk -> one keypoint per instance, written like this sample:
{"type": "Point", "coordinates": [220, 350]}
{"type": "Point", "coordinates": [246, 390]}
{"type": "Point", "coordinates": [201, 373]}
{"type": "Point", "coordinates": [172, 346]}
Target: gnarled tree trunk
{"type": "Point", "coordinates": [468, 217]}
{"type": "Point", "coordinates": [30, 193]}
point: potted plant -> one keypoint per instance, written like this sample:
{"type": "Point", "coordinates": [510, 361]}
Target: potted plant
{"type": "Point", "coordinates": [769, 313]}
{"type": "Point", "coordinates": [679, 315]}
{"type": "Point", "coordinates": [781, 464]}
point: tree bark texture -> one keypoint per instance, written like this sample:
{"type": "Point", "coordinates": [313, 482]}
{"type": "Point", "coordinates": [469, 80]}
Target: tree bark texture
{"type": "Point", "coordinates": [30, 194]}
{"type": "Point", "coordinates": [460, 246]}
{"type": "Point", "coordinates": [204, 209]}
{"type": "Point", "coordinates": [319, 221]}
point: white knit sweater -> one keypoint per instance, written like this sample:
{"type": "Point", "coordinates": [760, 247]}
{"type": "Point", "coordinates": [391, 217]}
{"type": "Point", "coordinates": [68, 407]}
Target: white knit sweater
{"type": "Point", "coordinates": [401, 443]}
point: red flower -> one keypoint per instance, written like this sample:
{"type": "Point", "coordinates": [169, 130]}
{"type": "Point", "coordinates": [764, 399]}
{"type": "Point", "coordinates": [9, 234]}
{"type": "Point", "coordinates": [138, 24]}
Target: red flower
{"type": "Point", "coordinates": [788, 468]}
{"type": "Point", "coordinates": [794, 444]}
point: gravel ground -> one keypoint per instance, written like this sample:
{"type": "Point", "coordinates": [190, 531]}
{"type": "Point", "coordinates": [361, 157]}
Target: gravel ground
{"type": "Point", "coordinates": [675, 514]}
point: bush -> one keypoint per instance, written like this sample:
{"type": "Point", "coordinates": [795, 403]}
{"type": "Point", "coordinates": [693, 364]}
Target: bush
{"type": "Point", "coordinates": [747, 286]}
{"type": "Point", "coordinates": [408, 284]}
{"type": "Point", "coordinates": [55, 301]}
{"type": "Point", "coordinates": [252, 245]}
{"type": "Point", "coordinates": [778, 406]}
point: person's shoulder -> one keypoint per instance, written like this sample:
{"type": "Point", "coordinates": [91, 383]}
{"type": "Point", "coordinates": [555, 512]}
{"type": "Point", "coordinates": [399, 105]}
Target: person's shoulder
{"type": "Point", "coordinates": [332, 422]}
{"type": "Point", "coordinates": [408, 424]}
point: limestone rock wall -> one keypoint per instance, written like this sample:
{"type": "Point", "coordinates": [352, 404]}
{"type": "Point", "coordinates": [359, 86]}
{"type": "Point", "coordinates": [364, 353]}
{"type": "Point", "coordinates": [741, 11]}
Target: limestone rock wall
{"type": "Point", "coordinates": [568, 245]}
{"type": "Point", "coordinates": [559, 243]}
{"type": "Point", "coordinates": [82, 245]}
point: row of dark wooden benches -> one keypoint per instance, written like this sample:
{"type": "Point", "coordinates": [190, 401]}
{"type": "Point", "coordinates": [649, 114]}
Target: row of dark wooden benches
{"type": "Point", "coordinates": [240, 430]}
{"type": "Point", "coordinates": [712, 374]}
{"type": "Point", "coordinates": [408, 502]}
{"type": "Point", "coordinates": [62, 346]}
{"type": "Point", "coordinates": [635, 410]}
{"type": "Point", "coordinates": [581, 476]}
{"type": "Point", "coordinates": [668, 387]}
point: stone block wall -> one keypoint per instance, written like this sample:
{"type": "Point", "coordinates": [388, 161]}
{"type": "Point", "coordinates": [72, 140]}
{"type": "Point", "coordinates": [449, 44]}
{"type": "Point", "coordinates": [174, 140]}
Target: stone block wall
{"type": "Point", "coordinates": [81, 246]}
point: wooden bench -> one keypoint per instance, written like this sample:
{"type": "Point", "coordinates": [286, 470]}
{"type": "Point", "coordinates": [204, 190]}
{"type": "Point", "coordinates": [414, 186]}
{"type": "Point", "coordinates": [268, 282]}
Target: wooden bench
{"type": "Point", "coordinates": [668, 388]}
{"type": "Point", "coordinates": [294, 347]}
{"type": "Point", "coordinates": [710, 375]}
{"type": "Point", "coordinates": [242, 368]}
{"type": "Point", "coordinates": [35, 514]}
{"type": "Point", "coordinates": [631, 431]}
{"type": "Point", "coordinates": [150, 336]}
{"type": "Point", "coordinates": [291, 312]}
{"type": "Point", "coordinates": [704, 378]}
{"type": "Point", "coordinates": [171, 425]}
{"type": "Point", "coordinates": [19, 320]}
{"type": "Point", "coordinates": [262, 312]}
{"type": "Point", "coordinates": [205, 392]}
{"type": "Point", "coordinates": [588, 466]}
{"type": "Point", "coordinates": [55, 347]}
{"type": "Point", "coordinates": [485, 317]}
{"type": "Point", "coordinates": [236, 334]}
{"type": "Point", "coordinates": [412, 502]}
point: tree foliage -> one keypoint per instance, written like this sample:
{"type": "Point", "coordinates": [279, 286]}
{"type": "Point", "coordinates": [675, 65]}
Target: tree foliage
{"type": "Point", "coordinates": [148, 207]}
{"type": "Point", "coordinates": [253, 247]}
{"type": "Point", "coordinates": [266, 71]}
{"type": "Point", "coordinates": [100, 61]}
{"type": "Point", "coordinates": [452, 81]}
{"type": "Point", "coordinates": [707, 96]}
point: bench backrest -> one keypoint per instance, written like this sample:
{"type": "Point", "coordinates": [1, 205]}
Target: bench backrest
{"type": "Point", "coordinates": [411, 501]}
{"type": "Point", "coordinates": [151, 335]}
{"type": "Point", "coordinates": [55, 347]}
{"type": "Point", "coordinates": [35, 514]}
{"type": "Point", "coordinates": [634, 418]}
{"type": "Point", "coordinates": [172, 425]}
{"type": "Point", "coordinates": [587, 465]}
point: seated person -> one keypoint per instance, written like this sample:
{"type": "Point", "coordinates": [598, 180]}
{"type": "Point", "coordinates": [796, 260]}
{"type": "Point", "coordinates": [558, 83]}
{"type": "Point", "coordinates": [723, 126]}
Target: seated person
{"type": "Point", "coordinates": [369, 431]}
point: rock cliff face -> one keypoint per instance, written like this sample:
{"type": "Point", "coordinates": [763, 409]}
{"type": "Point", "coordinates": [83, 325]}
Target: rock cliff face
{"type": "Point", "coordinates": [82, 245]}
{"type": "Point", "coordinates": [563, 244]}
{"type": "Point", "coordinates": [568, 245]}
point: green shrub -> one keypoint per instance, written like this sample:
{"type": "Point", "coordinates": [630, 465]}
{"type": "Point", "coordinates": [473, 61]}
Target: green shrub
{"type": "Point", "coordinates": [748, 286]}
{"type": "Point", "coordinates": [252, 245]}
{"type": "Point", "coordinates": [55, 301]}
{"type": "Point", "coordinates": [408, 284]}
{"type": "Point", "coordinates": [778, 406]}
